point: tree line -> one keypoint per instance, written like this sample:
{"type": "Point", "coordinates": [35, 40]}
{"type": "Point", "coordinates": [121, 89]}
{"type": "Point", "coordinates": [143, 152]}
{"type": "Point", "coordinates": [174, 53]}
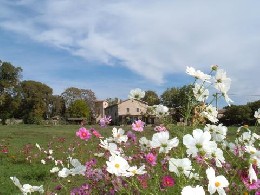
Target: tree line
{"type": "Point", "coordinates": [33, 101]}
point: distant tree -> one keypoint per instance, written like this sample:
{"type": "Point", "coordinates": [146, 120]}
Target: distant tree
{"type": "Point", "coordinates": [78, 109]}
{"type": "Point", "coordinates": [254, 107]}
{"type": "Point", "coordinates": [113, 101]}
{"type": "Point", "coordinates": [57, 106]}
{"type": "Point", "coordinates": [36, 98]}
{"type": "Point", "coordinates": [180, 99]}
{"type": "Point", "coordinates": [72, 94]}
{"type": "Point", "coordinates": [237, 115]}
{"type": "Point", "coordinates": [9, 90]}
{"type": "Point", "coordinates": [151, 98]}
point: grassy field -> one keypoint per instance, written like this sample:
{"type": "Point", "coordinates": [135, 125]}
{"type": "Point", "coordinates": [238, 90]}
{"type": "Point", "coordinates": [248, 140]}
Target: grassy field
{"type": "Point", "coordinates": [23, 159]}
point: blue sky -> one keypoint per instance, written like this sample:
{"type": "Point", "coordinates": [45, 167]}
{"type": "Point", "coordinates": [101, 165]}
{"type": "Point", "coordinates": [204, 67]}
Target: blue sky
{"type": "Point", "coordinates": [114, 46]}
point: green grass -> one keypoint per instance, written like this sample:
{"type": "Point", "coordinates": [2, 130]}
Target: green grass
{"type": "Point", "coordinates": [21, 139]}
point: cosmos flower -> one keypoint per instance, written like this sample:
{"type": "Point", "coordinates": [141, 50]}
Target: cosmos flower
{"type": "Point", "coordinates": [188, 190]}
{"type": "Point", "coordinates": [138, 125]}
{"type": "Point", "coordinates": [161, 140]}
{"type": "Point", "coordinates": [216, 183]}
{"type": "Point", "coordinates": [151, 158]}
{"type": "Point", "coordinates": [167, 181]}
{"type": "Point", "coordinates": [198, 74]}
{"type": "Point", "coordinates": [200, 93]}
{"type": "Point", "coordinates": [136, 94]}
{"type": "Point", "coordinates": [27, 188]}
{"type": "Point", "coordinates": [117, 165]}
{"type": "Point", "coordinates": [118, 135]}
{"type": "Point", "coordinates": [179, 166]}
{"type": "Point", "coordinates": [83, 133]}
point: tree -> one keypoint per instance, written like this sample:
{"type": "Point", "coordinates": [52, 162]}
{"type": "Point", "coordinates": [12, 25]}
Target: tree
{"type": "Point", "coordinates": [57, 106]}
{"type": "Point", "coordinates": [36, 98]}
{"type": "Point", "coordinates": [113, 101]}
{"type": "Point", "coordinates": [9, 87]}
{"type": "Point", "coordinates": [151, 98]}
{"type": "Point", "coordinates": [180, 99]}
{"type": "Point", "coordinates": [72, 94]}
{"type": "Point", "coordinates": [236, 115]}
{"type": "Point", "coordinates": [78, 109]}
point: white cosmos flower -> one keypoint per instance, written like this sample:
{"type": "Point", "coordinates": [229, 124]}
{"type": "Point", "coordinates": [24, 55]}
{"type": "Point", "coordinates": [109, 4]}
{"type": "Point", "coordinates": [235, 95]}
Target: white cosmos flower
{"type": "Point", "coordinates": [216, 183]}
{"type": "Point", "coordinates": [144, 143]}
{"type": "Point", "coordinates": [252, 174]}
{"type": "Point", "coordinates": [54, 169]}
{"type": "Point", "coordinates": [38, 146]}
{"type": "Point", "coordinates": [134, 171]}
{"type": "Point", "coordinates": [188, 190]}
{"type": "Point", "coordinates": [136, 94]}
{"type": "Point", "coordinates": [117, 165]}
{"type": "Point", "coordinates": [43, 161]}
{"type": "Point", "coordinates": [27, 188]}
{"type": "Point", "coordinates": [161, 110]}
{"type": "Point", "coordinates": [257, 115]}
{"type": "Point", "coordinates": [199, 142]}
{"type": "Point", "coordinates": [180, 165]}
{"type": "Point", "coordinates": [200, 93]}
{"type": "Point", "coordinates": [218, 132]}
{"type": "Point", "coordinates": [222, 82]}
{"type": "Point", "coordinates": [198, 74]}
{"type": "Point", "coordinates": [111, 147]}
{"type": "Point", "coordinates": [78, 168]}
{"type": "Point", "coordinates": [217, 154]}
{"type": "Point", "coordinates": [211, 113]}
{"type": "Point", "coordinates": [118, 135]}
{"type": "Point", "coordinates": [64, 172]}
{"type": "Point", "coordinates": [161, 139]}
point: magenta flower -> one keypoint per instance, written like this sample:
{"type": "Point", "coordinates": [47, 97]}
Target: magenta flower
{"type": "Point", "coordinates": [105, 121]}
{"type": "Point", "coordinates": [131, 136]}
{"type": "Point", "coordinates": [151, 159]}
{"type": "Point", "coordinates": [96, 133]}
{"type": "Point", "coordinates": [83, 133]}
{"type": "Point", "coordinates": [167, 181]}
{"type": "Point", "coordinates": [138, 125]}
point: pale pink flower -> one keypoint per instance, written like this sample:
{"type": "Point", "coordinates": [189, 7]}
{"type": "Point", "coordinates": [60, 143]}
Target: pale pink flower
{"type": "Point", "coordinates": [138, 125]}
{"type": "Point", "coordinates": [83, 133]}
{"type": "Point", "coordinates": [151, 159]}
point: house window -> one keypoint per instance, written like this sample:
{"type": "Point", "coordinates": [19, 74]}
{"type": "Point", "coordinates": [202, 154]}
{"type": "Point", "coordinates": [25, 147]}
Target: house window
{"type": "Point", "coordinates": [137, 109]}
{"type": "Point", "coordinates": [127, 109]}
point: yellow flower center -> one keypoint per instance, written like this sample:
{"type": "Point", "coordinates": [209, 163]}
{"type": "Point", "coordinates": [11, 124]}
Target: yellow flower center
{"type": "Point", "coordinates": [117, 166]}
{"type": "Point", "coordinates": [217, 184]}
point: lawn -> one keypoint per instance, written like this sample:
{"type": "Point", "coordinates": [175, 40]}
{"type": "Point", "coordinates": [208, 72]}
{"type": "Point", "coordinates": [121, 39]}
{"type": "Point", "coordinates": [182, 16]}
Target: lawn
{"type": "Point", "coordinates": [21, 158]}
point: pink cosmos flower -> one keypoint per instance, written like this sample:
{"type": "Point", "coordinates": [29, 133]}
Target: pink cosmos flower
{"type": "Point", "coordinates": [151, 159]}
{"type": "Point", "coordinates": [160, 128]}
{"type": "Point", "coordinates": [167, 181]}
{"type": "Point", "coordinates": [83, 133]}
{"type": "Point", "coordinates": [138, 125]}
{"type": "Point", "coordinates": [96, 133]}
{"type": "Point", "coordinates": [105, 121]}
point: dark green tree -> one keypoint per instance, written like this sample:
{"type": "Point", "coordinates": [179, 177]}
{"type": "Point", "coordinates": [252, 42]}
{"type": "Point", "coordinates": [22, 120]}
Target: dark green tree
{"type": "Point", "coordinates": [151, 98]}
{"type": "Point", "coordinates": [237, 115]}
{"type": "Point", "coordinates": [9, 90]}
{"type": "Point", "coordinates": [36, 99]}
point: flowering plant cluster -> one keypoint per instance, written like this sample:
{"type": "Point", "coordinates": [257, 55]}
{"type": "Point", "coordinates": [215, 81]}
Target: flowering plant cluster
{"type": "Point", "coordinates": [168, 161]}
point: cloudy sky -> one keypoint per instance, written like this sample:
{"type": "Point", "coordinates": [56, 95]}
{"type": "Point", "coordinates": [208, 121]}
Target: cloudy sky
{"type": "Point", "coordinates": [113, 46]}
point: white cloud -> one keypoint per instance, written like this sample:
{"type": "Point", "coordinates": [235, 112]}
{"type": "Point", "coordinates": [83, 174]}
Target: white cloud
{"type": "Point", "coordinates": [151, 38]}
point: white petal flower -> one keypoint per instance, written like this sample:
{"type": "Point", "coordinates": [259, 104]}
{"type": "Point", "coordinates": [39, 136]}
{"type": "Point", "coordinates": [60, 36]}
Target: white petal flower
{"type": "Point", "coordinates": [199, 142]}
{"type": "Point", "coordinates": [216, 183]}
{"type": "Point", "coordinates": [180, 165]}
{"type": "Point", "coordinates": [252, 174]}
{"type": "Point", "coordinates": [111, 147]}
{"type": "Point", "coordinates": [198, 74]}
{"type": "Point", "coordinates": [27, 188]}
{"type": "Point", "coordinates": [117, 165]}
{"type": "Point", "coordinates": [222, 82]}
{"type": "Point", "coordinates": [200, 93]}
{"type": "Point", "coordinates": [134, 171]}
{"type": "Point", "coordinates": [144, 143]}
{"type": "Point", "coordinates": [118, 135]}
{"type": "Point", "coordinates": [136, 94]}
{"type": "Point", "coordinates": [210, 113]}
{"type": "Point", "coordinates": [161, 139]}
{"type": "Point", "coordinates": [161, 110]}
{"type": "Point", "coordinates": [65, 172]}
{"type": "Point", "coordinates": [218, 132]}
{"type": "Point", "coordinates": [188, 190]}
{"type": "Point", "coordinates": [54, 169]}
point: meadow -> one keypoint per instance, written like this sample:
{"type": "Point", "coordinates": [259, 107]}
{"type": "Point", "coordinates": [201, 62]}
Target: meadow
{"type": "Point", "coordinates": [20, 157]}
